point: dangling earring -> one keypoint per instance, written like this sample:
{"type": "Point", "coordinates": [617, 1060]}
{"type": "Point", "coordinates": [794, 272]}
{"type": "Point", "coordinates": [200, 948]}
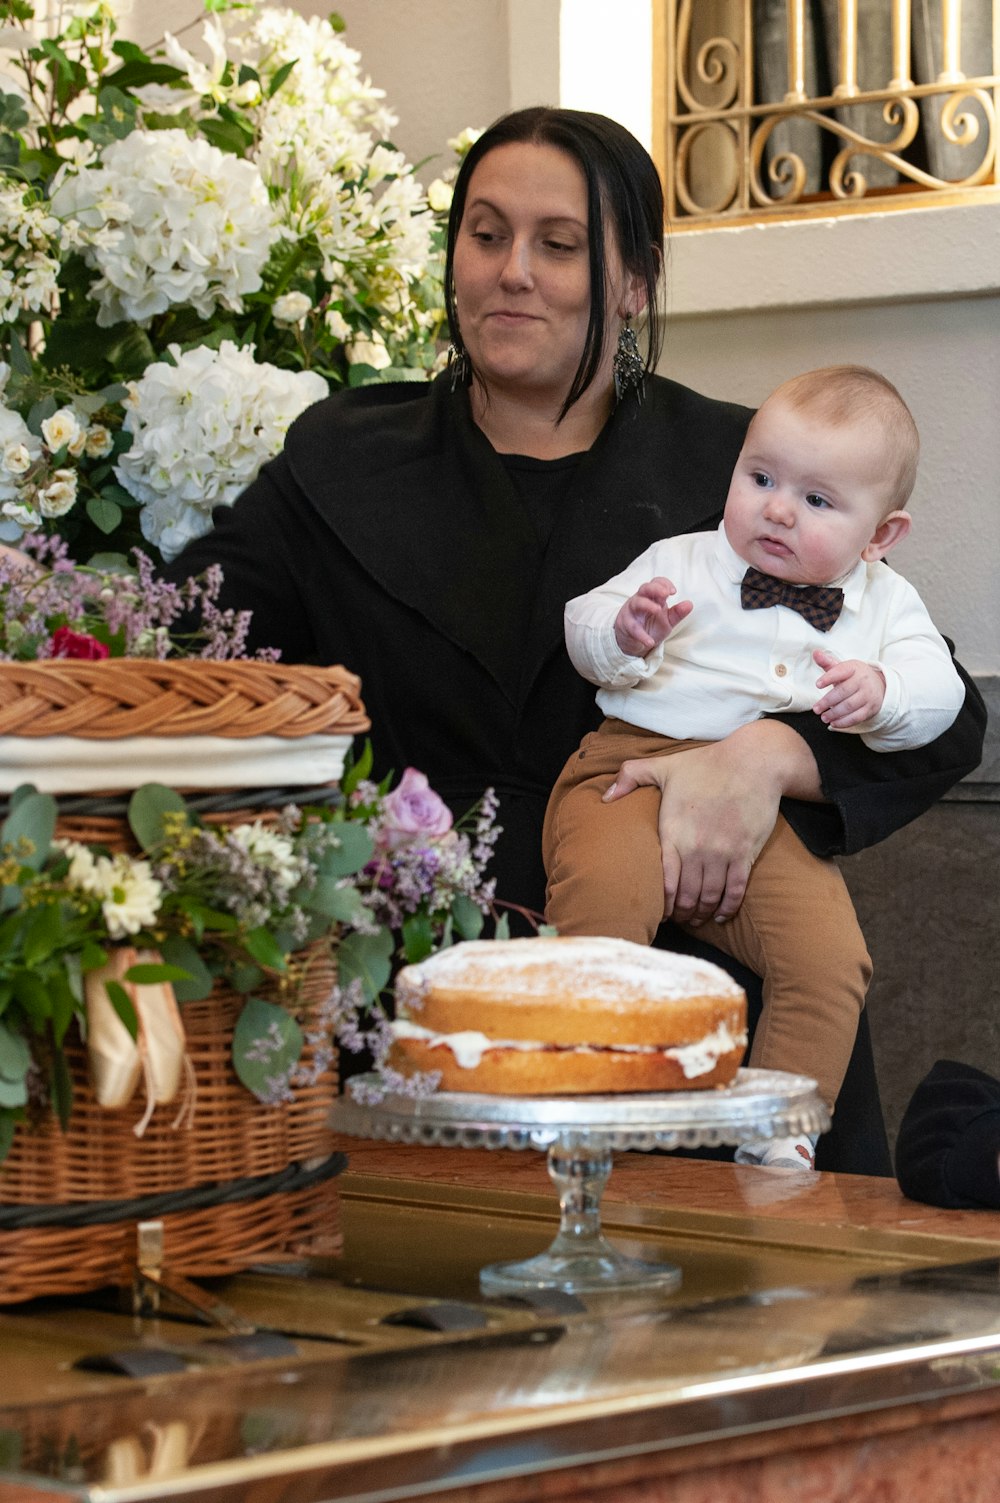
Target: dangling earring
{"type": "Point", "coordinates": [459, 365]}
{"type": "Point", "coordinates": [629, 370]}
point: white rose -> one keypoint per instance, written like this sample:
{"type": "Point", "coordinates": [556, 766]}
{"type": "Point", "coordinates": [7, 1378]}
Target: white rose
{"type": "Point", "coordinates": [439, 195]}
{"type": "Point", "coordinates": [61, 429]}
{"type": "Point", "coordinates": [56, 498]}
{"type": "Point", "coordinates": [291, 308]}
{"type": "Point", "coordinates": [16, 458]}
{"type": "Point", "coordinates": [369, 352]}
{"type": "Point", "coordinates": [99, 441]}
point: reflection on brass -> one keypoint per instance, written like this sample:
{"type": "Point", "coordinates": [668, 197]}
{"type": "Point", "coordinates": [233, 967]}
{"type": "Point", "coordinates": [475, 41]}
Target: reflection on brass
{"type": "Point", "coordinates": [715, 138]}
{"type": "Point", "coordinates": [777, 1323]}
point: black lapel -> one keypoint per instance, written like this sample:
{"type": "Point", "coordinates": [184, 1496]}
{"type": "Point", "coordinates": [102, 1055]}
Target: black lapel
{"type": "Point", "coordinates": [417, 494]}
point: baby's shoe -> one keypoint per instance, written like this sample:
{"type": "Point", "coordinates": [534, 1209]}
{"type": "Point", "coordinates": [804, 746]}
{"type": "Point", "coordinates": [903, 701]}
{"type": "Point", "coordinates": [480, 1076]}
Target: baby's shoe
{"type": "Point", "coordinates": [780, 1153]}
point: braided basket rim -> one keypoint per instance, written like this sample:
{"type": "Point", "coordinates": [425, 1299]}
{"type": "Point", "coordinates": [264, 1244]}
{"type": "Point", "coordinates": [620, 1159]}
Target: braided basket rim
{"type": "Point", "coordinates": [113, 698]}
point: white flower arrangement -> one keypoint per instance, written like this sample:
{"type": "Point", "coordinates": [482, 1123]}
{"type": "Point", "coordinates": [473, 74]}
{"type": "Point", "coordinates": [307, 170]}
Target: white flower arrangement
{"type": "Point", "coordinates": [168, 220]}
{"type": "Point", "coordinates": [201, 427]}
{"type": "Point", "coordinates": [192, 250]}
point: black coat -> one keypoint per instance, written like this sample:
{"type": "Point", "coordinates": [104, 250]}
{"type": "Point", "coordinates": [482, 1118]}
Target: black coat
{"type": "Point", "coordinates": [388, 537]}
{"type": "Point", "coordinates": [949, 1139]}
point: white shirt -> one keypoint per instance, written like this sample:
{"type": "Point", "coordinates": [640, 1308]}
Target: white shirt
{"type": "Point", "coordinates": [724, 667]}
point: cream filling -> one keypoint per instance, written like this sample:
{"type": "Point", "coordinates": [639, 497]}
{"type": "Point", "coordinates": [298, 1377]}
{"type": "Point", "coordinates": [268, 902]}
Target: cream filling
{"type": "Point", "coordinates": [469, 1046]}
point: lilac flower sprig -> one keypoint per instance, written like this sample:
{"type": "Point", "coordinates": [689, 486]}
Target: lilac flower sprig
{"type": "Point", "coordinates": [59, 609]}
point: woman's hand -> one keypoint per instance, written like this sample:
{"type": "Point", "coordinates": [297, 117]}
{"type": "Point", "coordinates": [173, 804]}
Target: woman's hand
{"type": "Point", "coordinates": [718, 806]}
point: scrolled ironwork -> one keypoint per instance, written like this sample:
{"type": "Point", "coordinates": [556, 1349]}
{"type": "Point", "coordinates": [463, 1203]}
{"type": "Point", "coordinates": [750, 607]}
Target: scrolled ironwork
{"type": "Point", "coordinates": [719, 130]}
{"type": "Point", "coordinates": [724, 159]}
{"type": "Point", "coordinates": [718, 63]}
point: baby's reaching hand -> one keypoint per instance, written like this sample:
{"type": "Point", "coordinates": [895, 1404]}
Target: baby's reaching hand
{"type": "Point", "coordinates": [856, 691]}
{"type": "Point", "coordinates": [645, 620]}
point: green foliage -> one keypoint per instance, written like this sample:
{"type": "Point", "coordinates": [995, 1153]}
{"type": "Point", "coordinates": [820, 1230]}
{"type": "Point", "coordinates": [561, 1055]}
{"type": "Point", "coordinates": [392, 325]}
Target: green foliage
{"type": "Point", "coordinates": [375, 881]}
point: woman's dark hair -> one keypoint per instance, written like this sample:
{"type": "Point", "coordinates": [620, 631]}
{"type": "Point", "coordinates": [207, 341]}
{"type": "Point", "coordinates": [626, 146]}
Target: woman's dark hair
{"type": "Point", "coordinates": [623, 188]}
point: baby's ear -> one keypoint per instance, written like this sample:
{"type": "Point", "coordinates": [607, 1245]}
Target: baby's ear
{"type": "Point", "coordinates": [890, 531]}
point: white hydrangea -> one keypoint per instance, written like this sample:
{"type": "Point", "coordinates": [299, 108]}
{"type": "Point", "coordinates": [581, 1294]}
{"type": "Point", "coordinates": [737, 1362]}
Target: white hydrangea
{"type": "Point", "coordinates": [169, 220]}
{"type": "Point", "coordinates": [201, 429]}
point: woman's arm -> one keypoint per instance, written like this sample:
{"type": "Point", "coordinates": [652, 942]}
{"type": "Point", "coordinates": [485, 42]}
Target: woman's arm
{"type": "Point", "coordinates": [719, 803]}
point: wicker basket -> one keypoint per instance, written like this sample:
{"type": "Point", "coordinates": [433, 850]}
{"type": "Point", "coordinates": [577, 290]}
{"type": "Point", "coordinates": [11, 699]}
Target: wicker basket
{"type": "Point", "coordinates": [119, 697]}
{"type": "Point", "coordinates": [236, 1156]}
{"type": "Point", "coordinates": [241, 1182]}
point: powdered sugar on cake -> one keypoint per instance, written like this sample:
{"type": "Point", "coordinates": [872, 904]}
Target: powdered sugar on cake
{"type": "Point", "coordinates": [601, 967]}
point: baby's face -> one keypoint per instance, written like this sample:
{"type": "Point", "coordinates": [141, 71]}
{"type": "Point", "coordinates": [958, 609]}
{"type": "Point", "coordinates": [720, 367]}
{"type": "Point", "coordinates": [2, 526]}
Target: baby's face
{"type": "Point", "coordinates": [806, 499]}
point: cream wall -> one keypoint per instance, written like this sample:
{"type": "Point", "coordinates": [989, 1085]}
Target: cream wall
{"type": "Point", "coordinates": [916, 294]}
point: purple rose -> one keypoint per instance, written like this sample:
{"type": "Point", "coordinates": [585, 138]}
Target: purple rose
{"type": "Point", "coordinates": [412, 811]}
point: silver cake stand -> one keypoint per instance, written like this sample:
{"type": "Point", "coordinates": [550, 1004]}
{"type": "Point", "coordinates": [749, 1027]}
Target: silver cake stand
{"type": "Point", "coordinates": [580, 1134]}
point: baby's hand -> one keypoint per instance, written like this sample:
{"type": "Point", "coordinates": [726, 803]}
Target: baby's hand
{"type": "Point", "coordinates": [856, 691]}
{"type": "Point", "coordinates": [646, 619]}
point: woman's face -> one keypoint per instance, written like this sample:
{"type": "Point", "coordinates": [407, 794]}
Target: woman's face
{"type": "Point", "coordinates": [522, 271]}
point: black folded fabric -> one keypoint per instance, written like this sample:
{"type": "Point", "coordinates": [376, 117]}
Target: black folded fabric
{"type": "Point", "coordinates": [949, 1139]}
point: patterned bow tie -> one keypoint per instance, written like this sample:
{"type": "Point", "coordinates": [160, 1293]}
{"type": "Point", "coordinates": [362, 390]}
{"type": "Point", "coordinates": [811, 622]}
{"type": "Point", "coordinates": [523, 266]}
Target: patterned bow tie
{"type": "Point", "coordinates": [819, 604]}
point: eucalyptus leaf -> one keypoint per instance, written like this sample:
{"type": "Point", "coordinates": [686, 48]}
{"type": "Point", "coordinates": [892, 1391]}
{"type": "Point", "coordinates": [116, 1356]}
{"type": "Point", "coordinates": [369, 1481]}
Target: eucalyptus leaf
{"type": "Point", "coordinates": [468, 916]}
{"type": "Point", "coordinates": [13, 1093]}
{"type": "Point", "coordinates": [181, 953]}
{"type": "Point", "coordinates": [15, 1056]}
{"type": "Point", "coordinates": [146, 809]}
{"type": "Point", "coordinates": [353, 851]}
{"type": "Point", "coordinates": [245, 978]}
{"type": "Point", "coordinates": [267, 1045]}
{"type": "Point", "coordinates": [326, 896]}
{"type": "Point", "coordinates": [366, 958]}
{"type": "Point", "coordinates": [104, 514]}
{"type": "Point", "coordinates": [29, 828]}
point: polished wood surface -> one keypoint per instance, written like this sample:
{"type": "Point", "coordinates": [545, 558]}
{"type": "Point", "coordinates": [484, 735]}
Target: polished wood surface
{"type": "Point", "coordinates": [693, 1185]}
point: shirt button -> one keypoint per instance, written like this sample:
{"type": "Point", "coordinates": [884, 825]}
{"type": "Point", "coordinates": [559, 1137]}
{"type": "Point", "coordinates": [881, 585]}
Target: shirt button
{"type": "Point", "coordinates": [780, 670]}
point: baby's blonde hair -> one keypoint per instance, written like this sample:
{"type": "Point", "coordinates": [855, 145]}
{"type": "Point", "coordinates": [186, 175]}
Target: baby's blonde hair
{"type": "Point", "coordinates": [842, 394]}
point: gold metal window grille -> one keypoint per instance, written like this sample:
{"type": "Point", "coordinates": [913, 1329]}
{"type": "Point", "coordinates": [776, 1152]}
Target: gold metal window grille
{"type": "Point", "coordinates": [727, 156]}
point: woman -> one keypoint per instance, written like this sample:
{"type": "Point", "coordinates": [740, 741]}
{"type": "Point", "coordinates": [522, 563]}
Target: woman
{"type": "Point", "coordinates": [429, 536]}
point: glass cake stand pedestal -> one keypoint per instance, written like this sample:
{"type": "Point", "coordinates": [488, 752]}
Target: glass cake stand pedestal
{"type": "Point", "coordinates": [580, 1134]}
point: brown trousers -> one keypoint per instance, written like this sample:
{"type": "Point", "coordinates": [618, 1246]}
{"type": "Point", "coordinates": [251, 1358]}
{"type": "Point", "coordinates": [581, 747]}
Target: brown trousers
{"type": "Point", "coordinates": [796, 927]}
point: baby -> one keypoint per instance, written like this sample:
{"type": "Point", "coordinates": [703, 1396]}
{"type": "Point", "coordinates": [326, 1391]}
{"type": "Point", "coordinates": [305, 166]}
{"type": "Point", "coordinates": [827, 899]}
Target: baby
{"type": "Point", "coordinates": [792, 581]}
